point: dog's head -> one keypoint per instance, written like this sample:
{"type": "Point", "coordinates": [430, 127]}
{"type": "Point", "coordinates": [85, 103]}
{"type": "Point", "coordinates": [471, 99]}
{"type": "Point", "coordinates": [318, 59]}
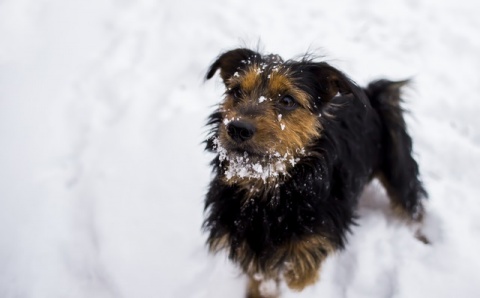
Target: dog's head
{"type": "Point", "coordinates": [271, 113]}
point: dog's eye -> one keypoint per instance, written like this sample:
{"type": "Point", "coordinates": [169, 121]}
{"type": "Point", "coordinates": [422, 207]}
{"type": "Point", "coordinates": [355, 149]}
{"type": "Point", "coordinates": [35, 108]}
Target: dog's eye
{"type": "Point", "coordinates": [288, 103]}
{"type": "Point", "coordinates": [235, 92]}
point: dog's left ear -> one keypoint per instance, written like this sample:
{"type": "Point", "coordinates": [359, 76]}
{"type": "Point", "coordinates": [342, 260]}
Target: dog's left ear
{"type": "Point", "coordinates": [332, 82]}
{"type": "Point", "coordinates": [231, 61]}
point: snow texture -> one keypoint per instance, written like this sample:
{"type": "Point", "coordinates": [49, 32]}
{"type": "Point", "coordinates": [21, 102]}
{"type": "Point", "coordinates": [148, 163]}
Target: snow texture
{"type": "Point", "coordinates": [245, 166]}
{"type": "Point", "coordinates": [103, 174]}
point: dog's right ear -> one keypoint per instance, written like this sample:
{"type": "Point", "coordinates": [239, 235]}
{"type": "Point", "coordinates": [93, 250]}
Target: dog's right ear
{"type": "Point", "coordinates": [231, 61]}
{"type": "Point", "coordinates": [331, 82]}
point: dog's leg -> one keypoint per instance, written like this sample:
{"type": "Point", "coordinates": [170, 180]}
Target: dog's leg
{"type": "Point", "coordinates": [297, 278]}
{"type": "Point", "coordinates": [404, 190]}
{"type": "Point", "coordinates": [407, 206]}
{"type": "Point", "coordinates": [398, 170]}
{"type": "Point", "coordinates": [304, 260]}
{"type": "Point", "coordinates": [301, 272]}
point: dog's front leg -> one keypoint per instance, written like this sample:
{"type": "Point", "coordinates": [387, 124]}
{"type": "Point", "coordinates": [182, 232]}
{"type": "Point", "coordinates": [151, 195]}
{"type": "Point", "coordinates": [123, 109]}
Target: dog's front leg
{"type": "Point", "coordinates": [298, 278]}
{"type": "Point", "coordinates": [304, 260]}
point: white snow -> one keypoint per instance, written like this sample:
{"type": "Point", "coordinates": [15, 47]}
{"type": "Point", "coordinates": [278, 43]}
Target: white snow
{"type": "Point", "coordinates": [268, 288]}
{"type": "Point", "coordinates": [246, 166]}
{"type": "Point", "coordinates": [103, 174]}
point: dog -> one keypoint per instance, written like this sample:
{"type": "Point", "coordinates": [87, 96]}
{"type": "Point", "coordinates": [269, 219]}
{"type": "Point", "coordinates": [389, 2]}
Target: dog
{"type": "Point", "coordinates": [296, 142]}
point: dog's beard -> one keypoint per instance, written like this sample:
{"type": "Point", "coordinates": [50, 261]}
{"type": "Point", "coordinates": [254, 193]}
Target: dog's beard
{"type": "Point", "coordinates": [241, 165]}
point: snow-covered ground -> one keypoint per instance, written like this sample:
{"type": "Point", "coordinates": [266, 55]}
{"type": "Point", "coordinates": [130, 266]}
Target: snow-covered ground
{"type": "Point", "coordinates": [102, 171]}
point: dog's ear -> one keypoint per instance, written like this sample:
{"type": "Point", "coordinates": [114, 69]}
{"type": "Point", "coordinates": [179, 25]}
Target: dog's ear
{"type": "Point", "coordinates": [231, 61]}
{"type": "Point", "coordinates": [332, 82]}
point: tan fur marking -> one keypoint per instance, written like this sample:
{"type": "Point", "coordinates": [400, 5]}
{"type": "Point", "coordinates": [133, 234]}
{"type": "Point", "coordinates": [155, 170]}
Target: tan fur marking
{"type": "Point", "coordinates": [280, 84]}
{"type": "Point", "coordinates": [300, 128]}
{"type": "Point", "coordinates": [253, 288]}
{"type": "Point", "coordinates": [305, 260]}
{"type": "Point", "coordinates": [250, 81]}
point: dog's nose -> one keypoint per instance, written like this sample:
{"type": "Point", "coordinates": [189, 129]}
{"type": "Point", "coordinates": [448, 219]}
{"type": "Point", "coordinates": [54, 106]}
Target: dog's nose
{"type": "Point", "coordinates": [240, 131]}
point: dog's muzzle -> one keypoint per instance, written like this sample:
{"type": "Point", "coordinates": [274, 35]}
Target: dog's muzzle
{"type": "Point", "coordinates": [240, 131]}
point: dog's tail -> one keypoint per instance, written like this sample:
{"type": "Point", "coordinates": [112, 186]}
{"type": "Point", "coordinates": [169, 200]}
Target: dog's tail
{"type": "Point", "coordinates": [398, 171]}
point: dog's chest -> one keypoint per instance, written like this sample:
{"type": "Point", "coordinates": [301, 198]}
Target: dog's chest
{"type": "Point", "coordinates": [266, 222]}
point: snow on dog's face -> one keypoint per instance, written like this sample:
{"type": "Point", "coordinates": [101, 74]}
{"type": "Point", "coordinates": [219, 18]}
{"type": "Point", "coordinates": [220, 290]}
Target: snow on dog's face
{"type": "Point", "coordinates": [270, 113]}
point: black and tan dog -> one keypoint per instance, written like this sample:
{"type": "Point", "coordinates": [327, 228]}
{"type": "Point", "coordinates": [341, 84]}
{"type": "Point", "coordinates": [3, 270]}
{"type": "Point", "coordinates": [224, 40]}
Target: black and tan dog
{"type": "Point", "coordinates": [296, 143]}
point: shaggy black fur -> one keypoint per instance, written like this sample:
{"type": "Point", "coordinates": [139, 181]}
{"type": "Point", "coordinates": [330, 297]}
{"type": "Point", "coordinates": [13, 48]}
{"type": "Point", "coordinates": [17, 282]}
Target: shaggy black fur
{"type": "Point", "coordinates": [364, 136]}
